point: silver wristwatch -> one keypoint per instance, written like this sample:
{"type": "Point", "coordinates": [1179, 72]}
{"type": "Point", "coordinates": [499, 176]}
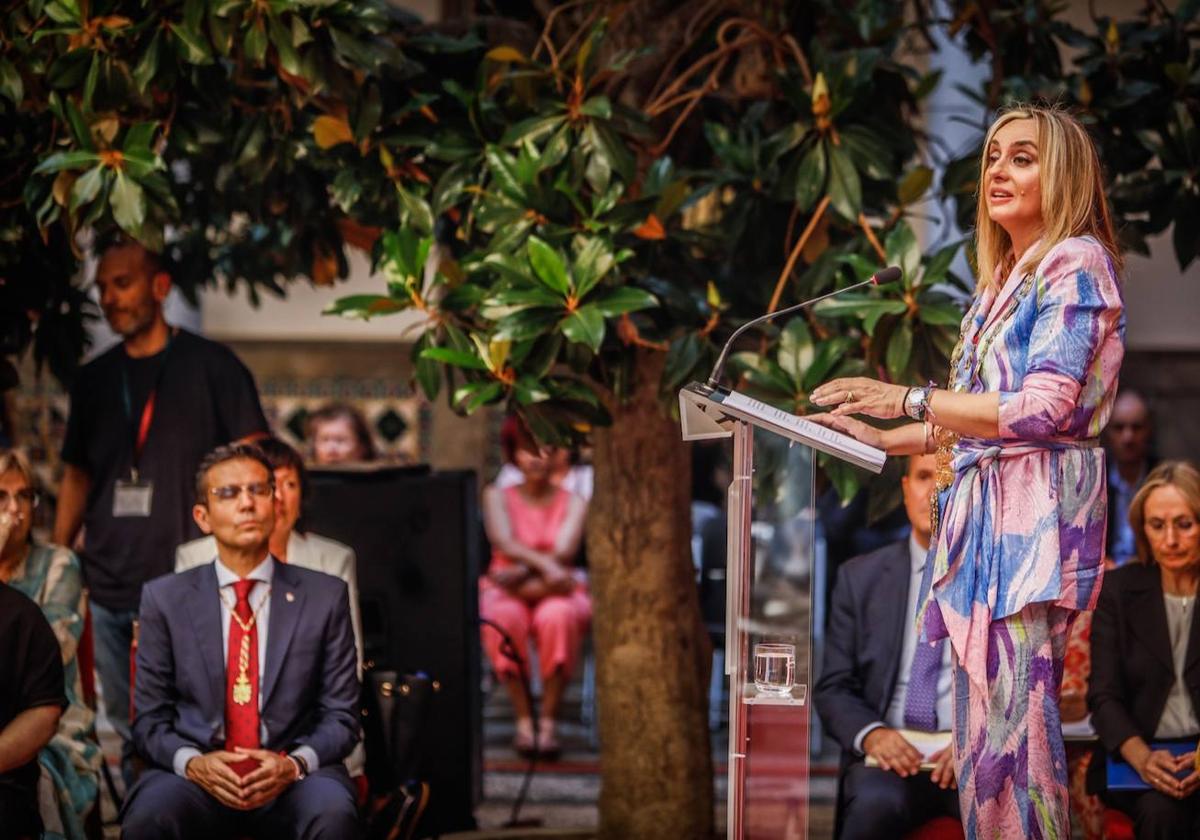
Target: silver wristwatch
{"type": "Point", "coordinates": [916, 402]}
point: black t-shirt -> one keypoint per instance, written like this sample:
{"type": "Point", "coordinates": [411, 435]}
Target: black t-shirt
{"type": "Point", "coordinates": [31, 673]}
{"type": "Point", "coordinates": [205, 397]}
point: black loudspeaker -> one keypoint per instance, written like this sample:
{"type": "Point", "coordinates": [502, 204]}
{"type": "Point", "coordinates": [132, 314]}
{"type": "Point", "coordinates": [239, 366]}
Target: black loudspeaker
{"type": "Point", "coordinates": [417, 537]}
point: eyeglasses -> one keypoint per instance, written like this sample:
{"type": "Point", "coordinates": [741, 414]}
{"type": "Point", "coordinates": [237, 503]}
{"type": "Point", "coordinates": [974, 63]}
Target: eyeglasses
{"type": "Point", "coordinates": [28, 496]}
{"type": "Point", "coordinates": [229, 492]}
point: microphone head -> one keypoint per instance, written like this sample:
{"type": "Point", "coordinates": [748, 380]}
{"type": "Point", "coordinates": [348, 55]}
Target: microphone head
{"type": "Point", "coordinates": [889, 275]}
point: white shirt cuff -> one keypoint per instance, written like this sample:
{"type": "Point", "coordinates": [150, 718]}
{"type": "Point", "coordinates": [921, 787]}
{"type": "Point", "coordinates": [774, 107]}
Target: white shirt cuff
{"type": "Point", "coordinates": [310, 757]}
{"type": "Point", "coordinates": [182, 756]}
{"type": "Point", "coordinates": [862, 735]}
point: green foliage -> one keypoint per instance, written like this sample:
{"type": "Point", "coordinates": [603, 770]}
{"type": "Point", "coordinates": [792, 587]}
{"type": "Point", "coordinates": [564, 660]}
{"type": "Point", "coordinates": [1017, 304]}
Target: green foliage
{"type": "Point", "coordinates": [1135, 83]}
{"type": "Point", "coordinates": [577, 230]}
{"type": "Point", "coordinates": [127, 116]}
{"type": "Point", "coordinates": [556, 204]}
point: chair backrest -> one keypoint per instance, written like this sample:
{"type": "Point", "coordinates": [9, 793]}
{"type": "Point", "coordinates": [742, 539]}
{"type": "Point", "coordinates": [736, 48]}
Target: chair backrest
{"type": "Point", "coordinates": [85, 656]}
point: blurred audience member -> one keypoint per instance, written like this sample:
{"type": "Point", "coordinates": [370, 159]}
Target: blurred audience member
{"type": "Point", "coordinates": [535, 529]}
{"type": "Point", "coordinates": [31, 700]}
{"type": "Point", "coordinates": [52, 578]}
{"type": "Point", "coordinates": [878, 679]}
{"type": "Point", "coordinates": [1145, 682]}
{"type": "Point", "coordinates": [1127, 438]}
{"type": "Point", "coordinates": [247, 691]}
{"type": "Point", "coordinates": [566, 470]}
{"type": "Point", "coordinates": [339, 435]}
{"type": "Point", "coordinates": [142, 416]}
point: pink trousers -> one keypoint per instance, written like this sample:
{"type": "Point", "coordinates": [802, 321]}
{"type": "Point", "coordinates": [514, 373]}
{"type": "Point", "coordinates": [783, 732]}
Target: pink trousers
{"type": "Point", "coordinates": [557, 624]}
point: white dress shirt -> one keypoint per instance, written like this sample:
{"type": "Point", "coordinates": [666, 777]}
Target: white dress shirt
{"type": "Point", "coordinates": [894, 717]}
{"type": "Point", "coordinates": [260, 606]}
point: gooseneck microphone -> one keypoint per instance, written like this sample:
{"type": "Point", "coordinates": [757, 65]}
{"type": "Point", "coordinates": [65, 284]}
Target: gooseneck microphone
{"type": "Point", "coordinates": [887, 275]}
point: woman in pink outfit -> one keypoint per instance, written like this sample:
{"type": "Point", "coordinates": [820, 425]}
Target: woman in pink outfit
{"type": "Point", "coordinates": [530, 590]}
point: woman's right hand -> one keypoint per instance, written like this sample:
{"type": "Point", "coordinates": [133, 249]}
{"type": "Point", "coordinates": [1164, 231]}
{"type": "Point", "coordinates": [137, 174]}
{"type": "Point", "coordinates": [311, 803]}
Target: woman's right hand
{"type": "Point", "coordinates": [857, 429]}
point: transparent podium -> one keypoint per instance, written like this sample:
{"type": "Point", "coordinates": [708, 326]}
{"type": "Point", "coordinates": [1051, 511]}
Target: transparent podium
{"type": "Point", "coordinates": [770, 616]}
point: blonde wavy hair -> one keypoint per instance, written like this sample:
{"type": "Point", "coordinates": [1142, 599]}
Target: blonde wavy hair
{"type": "Point", "coordinates": [1072, 188]}
{"type": "Point", "coordinates": [1181, 475]}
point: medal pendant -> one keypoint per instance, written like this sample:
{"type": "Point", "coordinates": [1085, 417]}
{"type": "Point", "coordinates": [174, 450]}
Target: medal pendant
{"type": "Point", "coordinates": [241, 690]}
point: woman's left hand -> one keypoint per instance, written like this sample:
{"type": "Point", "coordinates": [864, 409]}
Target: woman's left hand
{"type": "Point", "coordinates": [859, 395]}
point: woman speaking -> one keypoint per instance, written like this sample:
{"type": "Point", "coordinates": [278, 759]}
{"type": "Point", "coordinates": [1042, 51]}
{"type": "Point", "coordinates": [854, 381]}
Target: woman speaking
{"type": "Point", "coordinates": [1019, 510]}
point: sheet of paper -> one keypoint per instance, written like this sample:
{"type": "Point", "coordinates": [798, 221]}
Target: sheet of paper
{"type": "Point", "coordinates": [1079, 730]}
{"type": "Point", "coordinates": [806, 431]}
{"type": "Point", "coordinates": [927, 743]}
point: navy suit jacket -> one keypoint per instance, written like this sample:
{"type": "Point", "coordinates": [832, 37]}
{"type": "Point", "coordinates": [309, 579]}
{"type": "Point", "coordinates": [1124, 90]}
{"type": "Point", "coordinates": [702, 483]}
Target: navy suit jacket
{"type": "Point", "coordinates": [863, 643]}
{"type": "Point", "coordinates": [310, 687]}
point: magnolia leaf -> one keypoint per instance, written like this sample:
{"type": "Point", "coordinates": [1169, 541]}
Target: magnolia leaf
{"type": "Point", "coordinates": [899, 350]}
{"type": "Point", "coordinates": [585, 326]}
{"type": "Point", "coordinates": [810, 179]}
{"type": "Point", "coordinates": [548, 266]}
{"type": "Point", "coordinates": [128, 204]}
{"type": "Point", "coordinates": [11, 84]}
{"type": "Point", "coordinates": [796, 349]}
{"type": "Point", "coordinates": [330, 131]}
{"type": "Point", "coordinates": [914, 184]}
{"type": "Point", "coordinates": [904, 251]}
{"type": "Point", "coordinates": [456, 358]}
{"type": "Point", "coordinates": [845, 187]}
{"type": "Point", "coordinates": [622, 300]}
{"type": "Point", "coordinates": [86, 187]}
{"type": "Point", "coordinates": [506, 54]}
{"type": "Point", "coordinates": [650, 229]}
{"type": "Point", "coordinates": [66, 160]}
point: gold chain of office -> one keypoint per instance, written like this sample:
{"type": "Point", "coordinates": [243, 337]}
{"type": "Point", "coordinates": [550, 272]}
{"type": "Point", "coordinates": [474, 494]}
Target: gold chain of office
{"type": "Point", "coordinates": [241, 685]}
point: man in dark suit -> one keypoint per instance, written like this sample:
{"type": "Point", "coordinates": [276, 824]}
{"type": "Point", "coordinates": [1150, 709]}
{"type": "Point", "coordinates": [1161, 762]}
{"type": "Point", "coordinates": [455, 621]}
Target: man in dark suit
{"type": "Point", "coordinates": [246, 684]}
{"type": "Point", "coordinates": [877, 680]}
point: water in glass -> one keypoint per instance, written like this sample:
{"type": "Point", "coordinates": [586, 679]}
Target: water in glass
{"type": "Point", "coordinates": [774, 668]}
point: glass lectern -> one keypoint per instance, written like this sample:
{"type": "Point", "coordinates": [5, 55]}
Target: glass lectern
{"type": "Point", "coordinates": [769, 607]}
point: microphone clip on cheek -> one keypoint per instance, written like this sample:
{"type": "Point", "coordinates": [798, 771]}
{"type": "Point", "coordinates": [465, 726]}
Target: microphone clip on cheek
{"type": "Point", "coordinates": [888, 275]}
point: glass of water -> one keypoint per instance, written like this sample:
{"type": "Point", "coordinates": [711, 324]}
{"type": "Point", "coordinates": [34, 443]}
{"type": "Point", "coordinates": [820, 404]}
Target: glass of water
{"type": "Point", "coordinates": [774, 668]}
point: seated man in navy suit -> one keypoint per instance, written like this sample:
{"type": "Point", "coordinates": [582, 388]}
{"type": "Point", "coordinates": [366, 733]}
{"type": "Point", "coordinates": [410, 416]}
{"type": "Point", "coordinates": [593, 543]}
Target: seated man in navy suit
{"type": "Point", "coordinates": [246, 686]}
{"type": "Point", "coordinates": [877, 680]}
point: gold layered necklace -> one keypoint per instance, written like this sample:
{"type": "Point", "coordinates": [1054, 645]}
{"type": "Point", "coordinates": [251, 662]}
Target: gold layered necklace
{"type": "Point", "coordinates": [241, 685]}
{"type": "Point", "coordinates": [944, 439]}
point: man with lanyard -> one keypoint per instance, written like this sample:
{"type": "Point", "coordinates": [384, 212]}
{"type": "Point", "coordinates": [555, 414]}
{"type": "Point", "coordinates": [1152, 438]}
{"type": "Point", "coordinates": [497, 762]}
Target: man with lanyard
{"type": "Point", "coordinates": [143, 414]}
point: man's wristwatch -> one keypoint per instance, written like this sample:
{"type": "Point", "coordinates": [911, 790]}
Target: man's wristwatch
{"type": "Point", "coordinates": [916, 402]}
{"type": "Point", "coordinates": [301, 766]}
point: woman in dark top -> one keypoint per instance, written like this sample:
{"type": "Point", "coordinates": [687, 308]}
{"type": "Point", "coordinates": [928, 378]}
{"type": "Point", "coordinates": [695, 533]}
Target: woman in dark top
{"type": "Point", "coordinates": [1145, 681]}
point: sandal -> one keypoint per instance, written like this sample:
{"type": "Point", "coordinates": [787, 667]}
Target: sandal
{"type": "Point", "coordinates": [548, 745]}
{"type": "Point", "coordinates": [523, 740]}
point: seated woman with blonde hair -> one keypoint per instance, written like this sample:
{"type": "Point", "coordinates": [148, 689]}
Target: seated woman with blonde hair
{"type": "Point", "coordinates": [1144, 692]}
{"type": "Point", "coordinates": [52, 577]}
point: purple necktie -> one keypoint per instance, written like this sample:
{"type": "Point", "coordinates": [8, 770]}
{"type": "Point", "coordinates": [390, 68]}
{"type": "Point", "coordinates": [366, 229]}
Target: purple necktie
{"type": "Point", "coordinates": [920, 707]}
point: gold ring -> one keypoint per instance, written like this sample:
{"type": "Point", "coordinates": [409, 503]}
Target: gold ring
{"type": "Point", "coordinates": [849, 397]}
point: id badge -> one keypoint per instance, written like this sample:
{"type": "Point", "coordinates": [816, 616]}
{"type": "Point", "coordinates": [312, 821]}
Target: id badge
{"type": "Point", "coordinates": [132, 498]}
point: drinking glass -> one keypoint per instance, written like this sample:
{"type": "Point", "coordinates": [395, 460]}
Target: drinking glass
{"type": "Point", "coordinates": [774, 668]}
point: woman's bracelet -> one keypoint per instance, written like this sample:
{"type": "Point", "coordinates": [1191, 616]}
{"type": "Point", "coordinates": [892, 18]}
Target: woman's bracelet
{"type": "Point", "coordinates": [925, 439]}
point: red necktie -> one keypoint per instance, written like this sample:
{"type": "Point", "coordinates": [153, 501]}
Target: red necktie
{"type": "Point", "coordinates": [241, 679]}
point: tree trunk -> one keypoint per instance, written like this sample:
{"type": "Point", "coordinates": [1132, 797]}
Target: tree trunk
{"type": "Point", "coordinates": [653, 655]}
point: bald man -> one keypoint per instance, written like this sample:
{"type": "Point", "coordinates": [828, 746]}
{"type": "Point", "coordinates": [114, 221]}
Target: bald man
{"type": "Point", "coordinates": [1127, 439]}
